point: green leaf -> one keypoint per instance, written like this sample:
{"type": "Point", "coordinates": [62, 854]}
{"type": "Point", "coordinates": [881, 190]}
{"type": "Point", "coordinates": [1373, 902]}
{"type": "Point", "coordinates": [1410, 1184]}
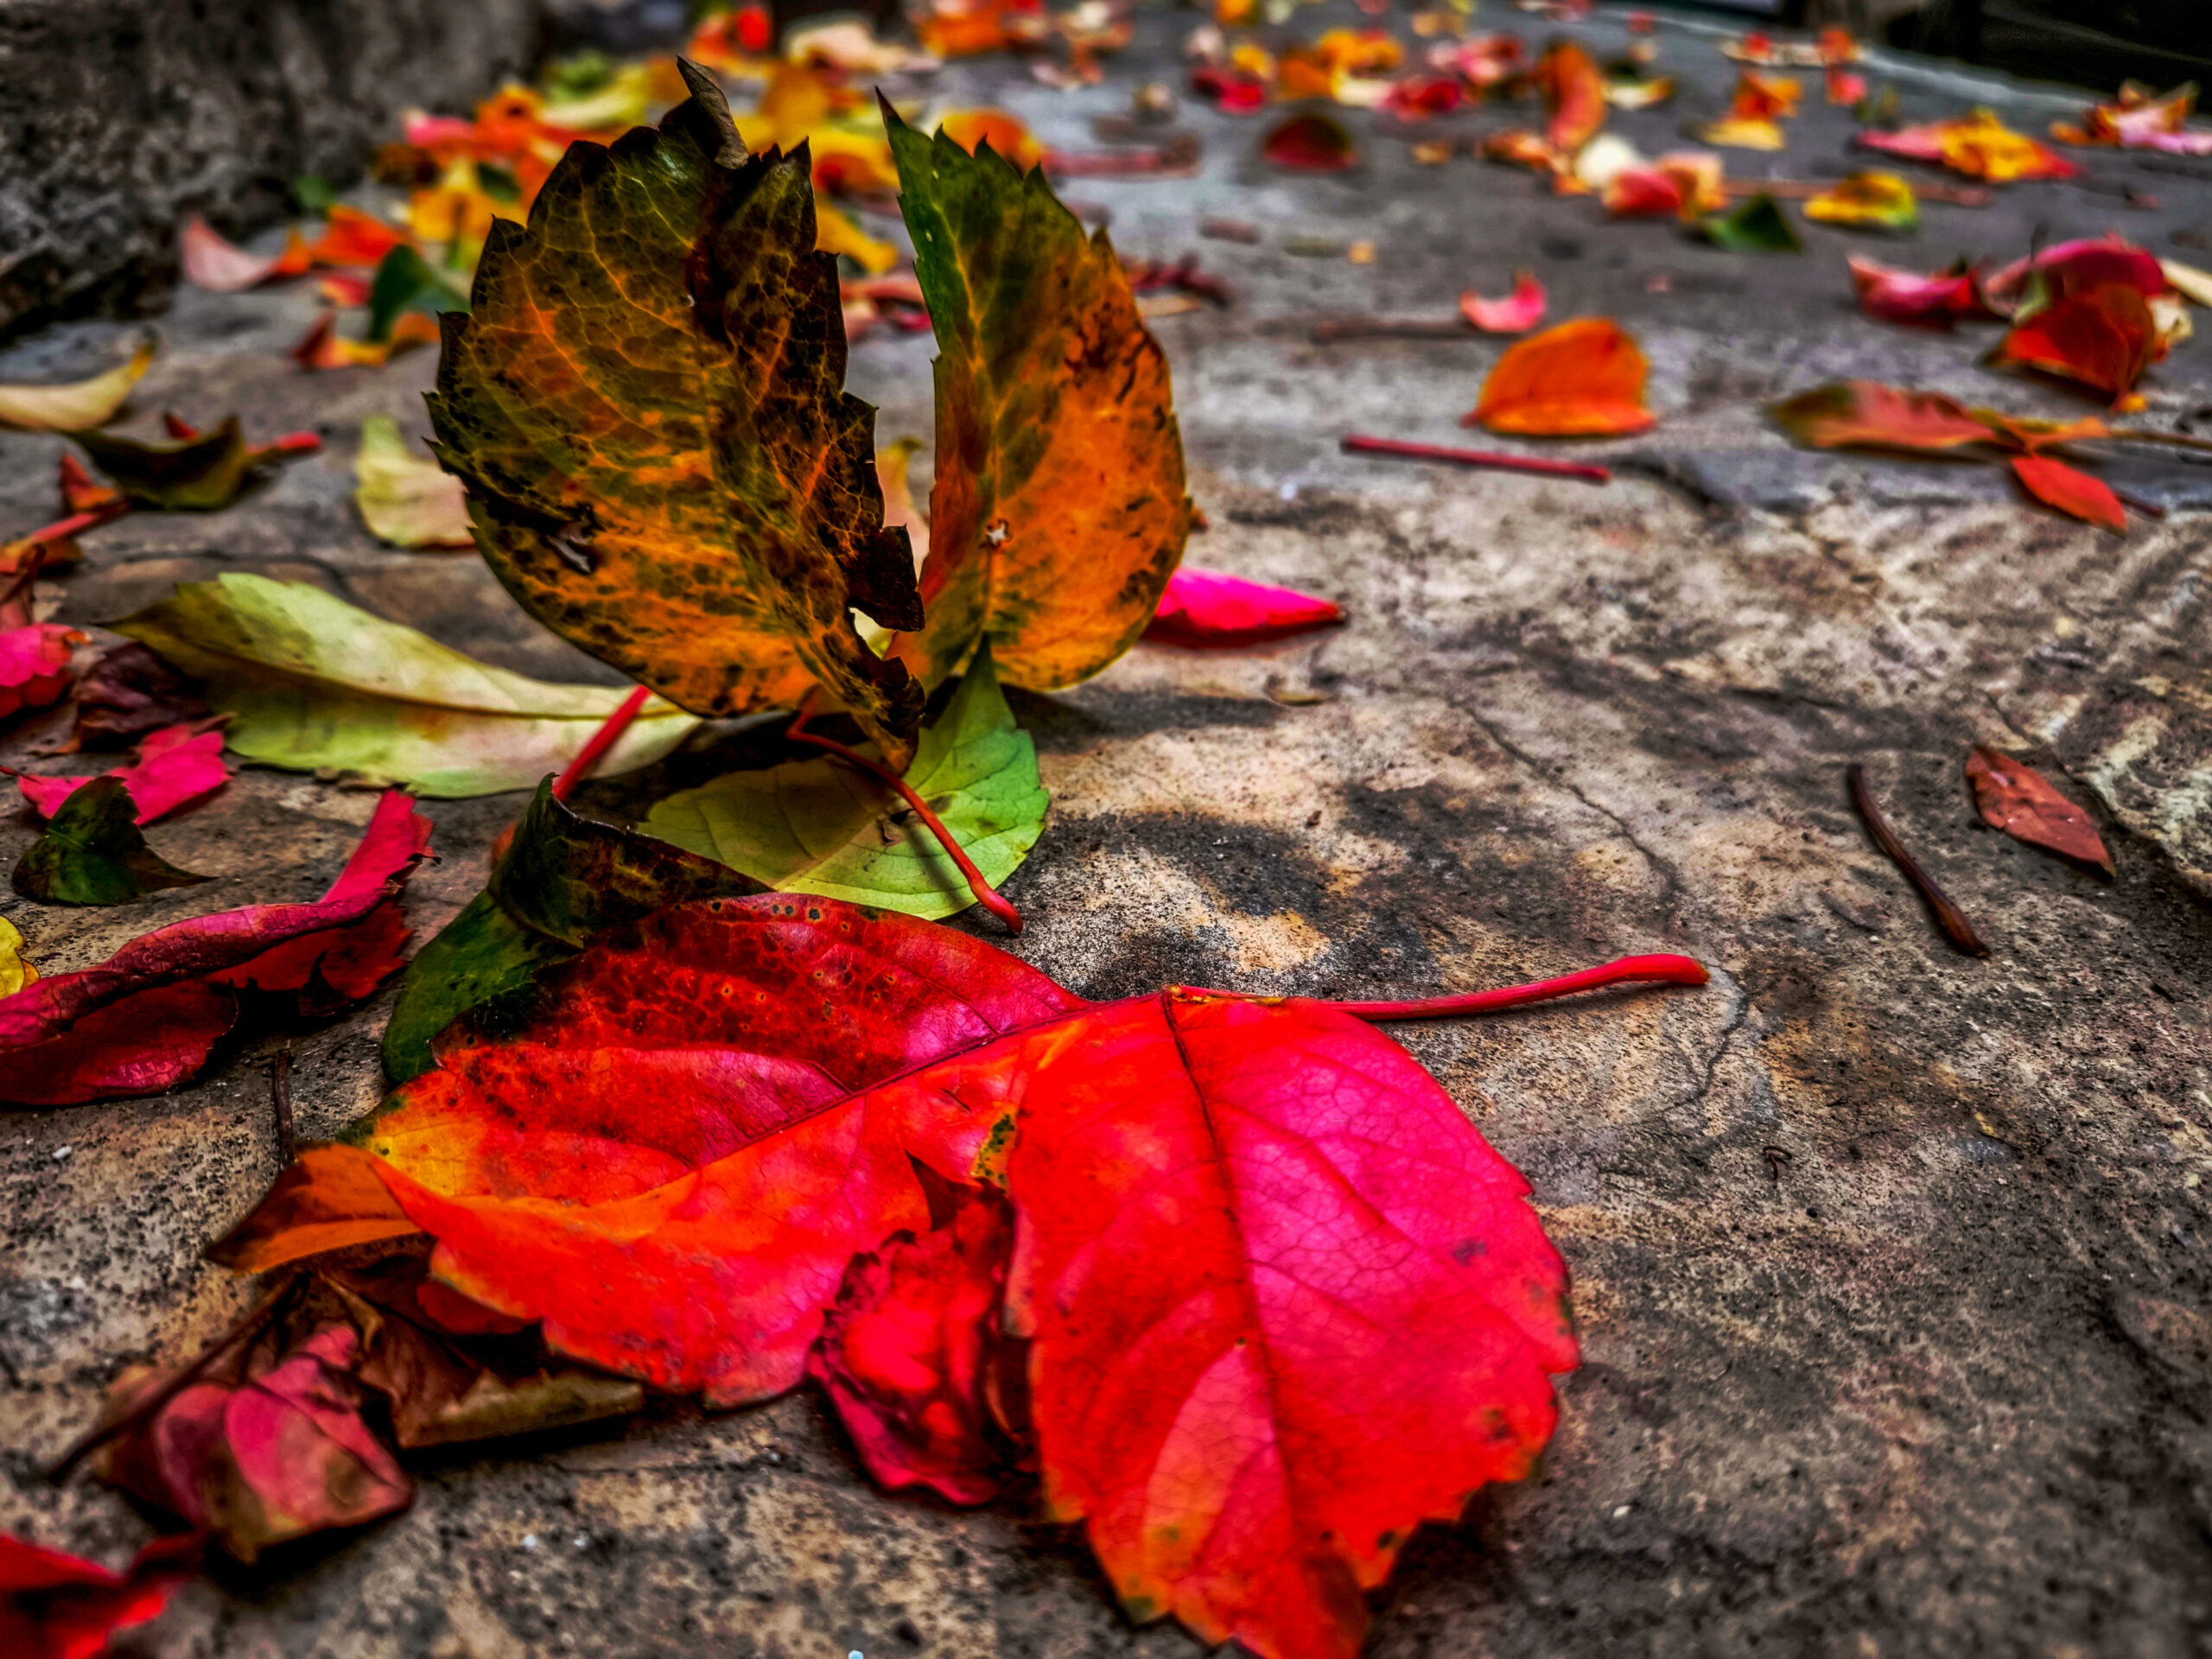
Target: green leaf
{"type": "Point", "coordinates": [1059, 511]}
{"type": "Point", "coordinates": [406, 499]}
{"type": "Point", "coordinates": [561, 879]}
{"type": "Point", "coordinates": [1757, 227]}
{"type": "Point", "coordinates": [646, 406]}
{"type": "Point", "coordinates": [826, 827]}
{"type": "Point", "coordinates": [93, 853]}
{"type": "Point", "coordinates": [407, 281]}
{"type": "Point", "coordinates": [315, 684]}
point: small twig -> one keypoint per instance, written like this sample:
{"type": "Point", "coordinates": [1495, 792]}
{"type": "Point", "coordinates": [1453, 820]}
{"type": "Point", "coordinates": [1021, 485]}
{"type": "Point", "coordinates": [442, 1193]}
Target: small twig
{"type": "Point", "coordinates": [1496, 460]}
{"type": "Point", "coordinates": [248, 1325]}
{"type": "Point", "coordinates": [1949, 916]}
{"type": "Point", "coordinates": [280, 1097]}
{"type": "Point", "coordinates": [609, 733]}
{"type": "Point", "coordinates": [62, 529]}
{"type": "Point", "coordinates": [986, 894]}
{"type": "Point", "coordinates": [2144, 435]}
{"type": "Point", "coordinates": [2148, 508]}
{"type": "Point", "coordinates": [1331, 329]}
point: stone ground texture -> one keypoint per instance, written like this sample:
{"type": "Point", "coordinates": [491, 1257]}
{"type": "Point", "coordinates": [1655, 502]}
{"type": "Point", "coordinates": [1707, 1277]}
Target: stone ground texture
{"type": "Point", "coordinates": [1892, 1266]}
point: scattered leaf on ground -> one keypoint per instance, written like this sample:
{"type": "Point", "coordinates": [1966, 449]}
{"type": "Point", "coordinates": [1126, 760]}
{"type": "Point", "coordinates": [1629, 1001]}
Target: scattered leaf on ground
{"type": "Point", "coordinates": [324, 347]}
{"type": "Point", "coordinates": [2059, 272]}
{"type": "Point", "coordinates": [646, 404]}
{"type": "Point", "coordinates": [77, 405]}
{"type": "Point", "coordinates": [59, 1607]}
{"type": "Point", "coordinates": [1581, 377]}
{"type": "Point", "coordinates": [2102, 339]}
{"type": "Point", "coordinates": [35, 664]}
{"type": "Point", "coordinates": [1212, 610]}
{"type": "Point", "coordinates": [2070, 490]}
{"type": "Point", "coordinates": [1880, 199]}
{"type": "Point", "coordinates": [1757, 225]}
{"type": "Point", "coordinates": [1522, 310]}
{"type": "Point", "coordinates": [406, 500]}
{"type": "Point", "coordinates": [1058, 509]}
{"type": "Point", "coordinates": [826, 827]}
{"type": "Point", "coordinates": [1936, 301]}
{"type": "Point", "coordinates": [1311, 142]}
{"type": "Point", "coordinates": [351, 237]}
{"type": "Point", "coordinates": [221, 267]}
{"type": "Point", "coordinates": [2015, 797]}
{"type": "Point", "coordinates": [1575, 96]}
{"type": "Point", "coordinates": [405, 282]}
{"type": "Point", "coordinates": [149, 1016]}
{"type": "Point", "coordinates": [1865, 414]}
{"type": "Point", "coordinates": [16, 971]}
{"type": "Point", "coordinates": [313, 683]}
{"type": "Point", "coordinates": [175, 765]}
{"type": "Point", "coordinates": [126, 693]}
{"type": "Point", "coordinates": [2140, 119]}
{"type": "Point", "coordinates": [93, 853]}
{"type": "Point", "coordinates": [200, 474]}
{"type": "Point", "coordinates": [1978, 145]}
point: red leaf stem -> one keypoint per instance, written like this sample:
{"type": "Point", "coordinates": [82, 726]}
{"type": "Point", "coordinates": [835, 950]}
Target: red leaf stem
{"type": "Point", "coordinates": [605, 738]}
{"type": "Point", "coordinates": [1355, 444]}
{"type": "Point", "coordinates": [1667, 970]}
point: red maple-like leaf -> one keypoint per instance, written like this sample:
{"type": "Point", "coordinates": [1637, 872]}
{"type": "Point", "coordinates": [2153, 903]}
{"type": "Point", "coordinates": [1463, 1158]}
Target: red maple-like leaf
{"type": "Point", "coordinates": [148, 1017]}
{"type": "Point", "coordinates": [54, 1605]}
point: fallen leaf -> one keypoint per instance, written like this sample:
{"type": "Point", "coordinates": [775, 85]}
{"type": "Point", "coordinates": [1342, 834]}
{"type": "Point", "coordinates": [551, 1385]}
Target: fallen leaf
{"type": "Point", "coordinates": [200, 474]}
{"type": "Point", "coordinates": [645, 406]}
{"type": "Point", "coordinates": [81, 403]}
{"type": "Point", "coordinates": [1522, 311]}
{"type": "Point", "coordinates": [2101, 338]}
{"type": "Point", "coordinates": [351, 237]}
{"type": "Point", "coordinates": [93, 854]}
{"type": "Point", "coordinates": [324, 347]}
{"type": "Point", "coordinates": [825, 827]}
{"type": "Point", "coordinates": [1865, 413]}
{"type": "Point", "coordinates": [1683, 184]}
{"type": "Point", "coordinates": [262, 1452]}
{"type": "Point", "coordinates": [1311, 142]}
{"type": "Point", "coordinates": [912, 1358]}
{"type": "Point", "coordinates": [16, 971]}
{"type": "Point", "coordinates": [2071, 491]}
{"type": "Point", "coordinates": [219, 266]}
{"type": "Point", "coordinates": [2192, 284]}
{"type": "Point", "coordinates": [1573, 91]}
{"type": "Point", "coordinates": [406, 500]}
{"type": "Point", "coordinates": [148, 1017]}
{"type": "Point", "coordinates": [1008, 136]}
{"type": "Point", "coordinates": [1211, 610]}
{"type": "Point", "coordinates": [835, 233]}
{"type": "Point", "coordinates": [312, 683]}
{"type": "Point", "coordinates": [1284, 1304]}
{"type": "Point", "coordinates": [2140, 119]}
{"type": "Point", "coordinates": [2015, 797]}
{"type": "Point", "coordinates": [175, 766]}
{"type": "Point", "coordinates": [559, 879]}
{"type": "Point", "coordinates": [35, 664]}
{"type": "Point", "coordinates": [1639, 93]}
{"type": "Point", "coordinates": [1978, 145]}
{"type": "Point", "coordinates": [1937, 301]}
{"type": "Point", "coordinates": [1058, 509]}
{"type": "Point", "coordinates": [1880, 199]}
{"type": "Point", "coordinates": [406, 284]}
{"type": "Point", "coordinates": [127, 692]}
{"type": "Point", "coordinates": [1733, 133]}
{"type": "Point", "coordinates": [58, 1606]}
{"type": "Point", "coordinates": [1578, 378]}
{"type": "Point", "coordinates": [2027, 286]}
{"type": "Point", "coordinates": [1759, 226]}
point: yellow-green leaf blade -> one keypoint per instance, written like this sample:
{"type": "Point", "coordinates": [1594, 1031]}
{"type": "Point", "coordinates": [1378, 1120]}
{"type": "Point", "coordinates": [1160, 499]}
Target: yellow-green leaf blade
{"type": "Point", "coordinates": [826, 827]}
{"type": "Point", "coordinates": [312, 683]}
{"type": "Point", "coordinates": [79, 404]}
{"type": "Point", "coordinates": [1059, 511]}
{"type": "Point", "coordinates": [406, 500]}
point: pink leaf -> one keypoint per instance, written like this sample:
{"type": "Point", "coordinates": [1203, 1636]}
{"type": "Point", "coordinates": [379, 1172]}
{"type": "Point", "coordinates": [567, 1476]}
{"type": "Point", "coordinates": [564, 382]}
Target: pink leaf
{"type": "Point", "coordinates": [1210, 608]}
{"type": "Point", "coordinates": [35, 664]}
{"type": "Point", "coordinates": [1515, 316]}
{"type": "Point", "coordinates": [222, 267]}
{"type": "Point", "coordinates": [176, 767]}
{"type": "Point", "coordinates": [1937, 299]}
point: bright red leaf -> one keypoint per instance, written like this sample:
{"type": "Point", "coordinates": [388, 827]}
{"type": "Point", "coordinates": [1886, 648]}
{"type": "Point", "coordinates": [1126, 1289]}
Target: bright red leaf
{"type": "Point", "coordinates": [2015, 797]}
{"type": "Point", "coordinates": [931, 1390]}
{"type": "Point", "coordinates": [1311, 143]}
{"type": "Point", "coordinates": [175, 766]}
{"type": "Point", "coordinates": [351, 237]}
{"type": "Point", "coordinates": [148, 1017]}
{"type": "Point", "coordinates": [671, 1160]}
{"type": "Point", "coordinates": [59, 1607]}
{"type": "Point", "coordinates": [1935, 301]}
{"type": "Point", "coordinates": [2070, 490]}
{"type": "Point", "coordinates": [2103, 338]}
{"type": "Point", "coordinates": [1205, 609]}
{"type": "Point", "coordinates": [272, 1452]}
{"type": "Point", "coordinates": [1515, 314]}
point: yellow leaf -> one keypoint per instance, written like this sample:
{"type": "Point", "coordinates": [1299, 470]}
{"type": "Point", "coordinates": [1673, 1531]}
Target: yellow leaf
{"type": "Point", "coordinates": [78, 405]}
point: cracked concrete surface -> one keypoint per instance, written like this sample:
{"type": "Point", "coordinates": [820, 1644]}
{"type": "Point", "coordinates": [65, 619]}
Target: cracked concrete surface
{"type": "Point", "coordinates": [1892, 1266]}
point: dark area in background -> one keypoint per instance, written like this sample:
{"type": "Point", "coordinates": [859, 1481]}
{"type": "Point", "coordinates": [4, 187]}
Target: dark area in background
{"type": "Point", "coordinates": [2093, 43]}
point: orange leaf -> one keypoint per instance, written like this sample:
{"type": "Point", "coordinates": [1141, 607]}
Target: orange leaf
{"type": "Point", "coordinates": [2102, 339]}
{"type": "Point", "coordinates": [1575, 96]}
{"type": "Point", "coordinates": [2015, 797]}
{"type": "Point", "coordinates": [2057, 484]}
{"type": "Point", "coordinates": [1867, 414]}
{"type": "Point", "coordinates": [1583, 377]}
{"type": "Point", "coordinates": [351, 237]}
